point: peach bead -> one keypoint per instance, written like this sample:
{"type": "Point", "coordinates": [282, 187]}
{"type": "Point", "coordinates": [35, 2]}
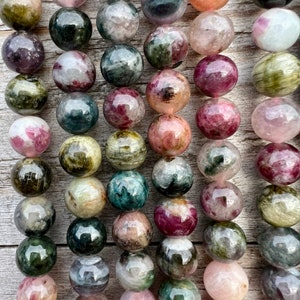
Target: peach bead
{"type": "Point", "coordinates": [204, 5]}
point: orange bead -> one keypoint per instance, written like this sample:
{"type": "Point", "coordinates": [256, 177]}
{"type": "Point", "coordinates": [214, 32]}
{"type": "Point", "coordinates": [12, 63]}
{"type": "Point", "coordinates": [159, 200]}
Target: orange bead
{"type": "Point", "coordinates": [205, 5]}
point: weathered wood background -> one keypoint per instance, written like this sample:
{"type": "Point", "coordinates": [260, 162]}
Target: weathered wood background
{"type": "Point", "coordinates": [242, 51]}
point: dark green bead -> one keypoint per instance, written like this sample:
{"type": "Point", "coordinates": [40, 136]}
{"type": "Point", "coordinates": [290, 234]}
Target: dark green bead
{"type": "Point", "coordinates": [272, 3]}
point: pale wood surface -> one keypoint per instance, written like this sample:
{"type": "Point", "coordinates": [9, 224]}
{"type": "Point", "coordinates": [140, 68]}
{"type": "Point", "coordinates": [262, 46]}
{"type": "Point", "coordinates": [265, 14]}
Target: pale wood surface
{"type": "Point", "coordinates": [242, 51]}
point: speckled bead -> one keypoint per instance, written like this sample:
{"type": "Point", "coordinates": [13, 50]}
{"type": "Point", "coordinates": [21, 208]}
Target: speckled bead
{"type": "Point", "coordinates": [70, 3]}
{"type": "Point", "coordinates": [143, 295]}
{"type": "Point", "coordinates": [208, 5]}
{"type": "Point", "coordinates": [272, 3]}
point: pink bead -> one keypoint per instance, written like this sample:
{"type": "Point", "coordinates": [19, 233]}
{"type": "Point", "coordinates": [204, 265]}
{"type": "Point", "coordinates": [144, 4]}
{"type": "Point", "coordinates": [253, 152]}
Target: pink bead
{"type": "Point", "coordinates": [70, 3]}
{"type": "Point", "coordinates": [131, 295]}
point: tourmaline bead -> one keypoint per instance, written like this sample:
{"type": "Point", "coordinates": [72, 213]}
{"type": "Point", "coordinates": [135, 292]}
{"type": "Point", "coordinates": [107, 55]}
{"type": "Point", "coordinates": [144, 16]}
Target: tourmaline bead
{"type": "Point", "coordinates": [143, 295]}
{"type": "Point", "coordinates": [41, 288]}
{"type": "Point", "coordinates": [85, 197]}
{"type": "Point", "coordinates": [135, 271]}
{"type": "Point", "coordinates": [125, 150]}
{"type": "Point", "coordinates": [221, 201]}
{"type": "Point", "coordinates": [80, 156]}
{"type": "Point", "coordinates": [36, 255]}
{"type": "Point", "coordinates": [117, 21]}
{"type": "Point", "coordinates": [279, 206]}
{"type": "Point", "coordinates": [169, 135]}
{"type": "Point", "coordinates": [211, 33]}
{"type": "Point", "coordinates": [272, 3]}
{"type": "Point", "coordinates": [276, 119]}
{"type": "Point", "coordinates": [166, 47]}
{"type": "Point", "coordinates": [132, 231]}
{"type": "Point", "coordinates": [215, 75]}
{"type": "Point", "coordinates": [86, 236]}
{"type": "Point", "coordinates": [30, 136]}
{"type": "Point", "coordinates": [31, 176]}
{"type": "Point", "coordinates": [70, 28]}
{"type": "Point", "coordinates": [121, 65]}
{"type": "Point", "coordinates": [34, 215]}
{"type": "Point", "coordinates": [70, 3]}
{"type": "Point", "coordinates": [163, 12]}
{"type": "Point", "coordinates": [73, 71]}
{"type": "Point", "coordinates": [21, 14]}
{"type": "Point", "coordinates": [168, 91]}
{"type": "Point", "coordinates": [276, 29]}
{"type": "Point", "coordinates": [89, 275]}
{"type": "Point", "coordinates": [127, 190]}
{"type": "Point", "coordinates": [23, 52]}
{"type": "Point", "coordinates": [204, 5]}
{"type": "Point", "coordinates": [177, 257]}
{"type": "Point", "coordinates": [77, 113]}
{"type": "Point", "coordinates": [218, 118]}
{"type": "Point", "coordinates": [234, 280]}
{"type": "Point", "coordinates": [276, 74]}
{"type": "Point", "coordinates": [219, 160]}
{"type": "Point", "coordinates": [123, 108]}
{"type": "Point", "coordinates": [26, 94]}
{"type": "Point", "coordinates": [280, 246]}
{"type": "Point", "coordinates": [172, 177]}
{"type": "Point", "coordinates": [278, 163]}
{"type": "Point", "coordinates": [176, 217]}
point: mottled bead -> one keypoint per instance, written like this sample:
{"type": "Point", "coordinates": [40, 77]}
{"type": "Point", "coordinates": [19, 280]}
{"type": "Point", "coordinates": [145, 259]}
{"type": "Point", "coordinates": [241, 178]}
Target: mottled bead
{"type": "Point", "coordinates": [166, 47]}
{"type": "Point", "coordinates": [132, 231]}
{"type": "Point", "coordinates": [86, 236]}
{"type": "Point", "coordinates": [135, 271]}
{"type": "Point", "coordinates": [123, 108]}
{"type": "Point", "coordinates": [169, 135]}
{"type": "Point", "coordinates": [204, 5]}
{"type": "Point", "coordinates": [34, 216]}
{"type": "Point", "coordinates": [73, 71]}
{"type": "Point", "coordinates": [132, 295]}
{"type": "Point", "coordinates": [177, 257]}
{"type": "Point", "coordinates": [215, 75]}
{"type": "Point", "coordinates": [36, 255]}
{"type": "Point", "coordinates": [278, 163]}
{"type": "Point", "coordinates": [77, 113]}
{"type": "Point", "coordinates": [168, 91]}
{"type": "Point", "coordinates": [272, 3]}
{"type": "Point", "coordinates": [118, 21]}
{"type": "Point", "coordinates": [70, 3]}
{"type": "Point", "coordinates": [31, 176]}
{"type": "Point", "coordinates": [85, 197]}
{"type": "Point", "coordinates": [125, 150]}
{"type": "Point", "coordinates": [23, 52]}
{"type": "Point", "coordinates": [89, 275]}
{"type": "Point", "coordinates": [80, 156]}
{"type": "Point", "coordinates": [121, 65]}
{"type": "Point", "coordinates": [176, 217]}
{"type": "Point", "coordinates": [280, 246]}
{"type": "Point", "coordinates": [276, 74]}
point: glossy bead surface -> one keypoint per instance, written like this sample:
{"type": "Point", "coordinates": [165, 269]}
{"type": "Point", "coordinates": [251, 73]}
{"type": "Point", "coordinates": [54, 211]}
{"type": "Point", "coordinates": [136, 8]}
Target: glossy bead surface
{"type": "Point", "coordinates": [73, 71]}
{"type": "Point", "coordinates": [70, 3]}
{"type": "Point", "coordinates": [204, 5]}
{"type": "Point", "coordinates": [143, 295]}
{"type": "Point", "coordinates": [80, 156]}
{"type": "Point", "coordinates": [272, 3]}
{"type": "Point", "coordinates": [86, 236]}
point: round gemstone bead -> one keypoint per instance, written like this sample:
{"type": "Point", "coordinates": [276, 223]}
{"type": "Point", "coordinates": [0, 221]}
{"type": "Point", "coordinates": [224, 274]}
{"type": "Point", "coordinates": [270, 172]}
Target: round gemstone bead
{"type": "Point", "coordinates": [70, 3]}
{"type": "Point", "coordinates": [143, 295]}
{"type": "Point", "coordinates": [168, 91]}
{"type": "Point", "coordinates": [272, 3]}
{"type": "Point", "coordinates": [215, 75]}
{"type": "Point", "coordinates": [204, 5]}
{"type": "Point", "coordinates": [93, 297]}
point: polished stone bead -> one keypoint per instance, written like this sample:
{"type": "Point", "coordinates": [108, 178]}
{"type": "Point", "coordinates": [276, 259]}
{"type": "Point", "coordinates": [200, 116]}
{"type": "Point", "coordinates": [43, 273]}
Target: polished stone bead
{"type": "Point", "coordinates": [132, 231]}
{"type": "Point", "coordinates": [73, 71]}
{"type": "Point", "coordinates": [70, 29]}
{"type": "Point", "coordinates": [280, 246]}
{"type": "Point", "coordinates": [93, 297]}
{"type": "Point", "coordinates": [166, 47]}
{"type": "Point", "coordinates": [121, 65]}
{"type": "Point", "coordinates": [86, 236]}
{"type": "Point", "coordinates": [176, 217]}
{"type": "Point", "coordinates": [21, 14]}
{"type": "Point", "coordinates": [80, 156]}
{"type": "Point", "coordinates": [276, 74]}
{"type": "Point", "coordinates": [168, 91]}
{"type": "Point", "coordinates": [34, 216]}
{"type": "Point", "coordinates": [172, 177]}
{"type": "Point", "coordinates": [85, 197]}
{"type": "Point", "coordinates": [278, 164]}
{"type": "Point", "coordinates": [125, 150]}
{"type": "Point", "coordinates": [118, 20]}
{"type": "Point", "coordinates": [23, 52]}
{"type": "Point", "coordinates": [272, 3]}
{"type": "Point", "coordinates": [127, 190]}
{"type": "Point", "coordinates": [31, 176]}
{"type": "Point", "coordinates": [208, 5]}
{"type": "Point", "coordinates": [215, 75]}
{"type": "Point", "coordinates": [70, 3]}
{"type": "Point", "coordinates": [177, 257]}
{"type": "Point", "coordinates": [77, 113]}
{"type": "Point", "coordinates": [89, 275]}
{"type": "Point", "coordinates": [36, 255]}
{"type": "Point", "coordinates": [135, 271]}
{"type": "Point", "coordinates": [143, 295]}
